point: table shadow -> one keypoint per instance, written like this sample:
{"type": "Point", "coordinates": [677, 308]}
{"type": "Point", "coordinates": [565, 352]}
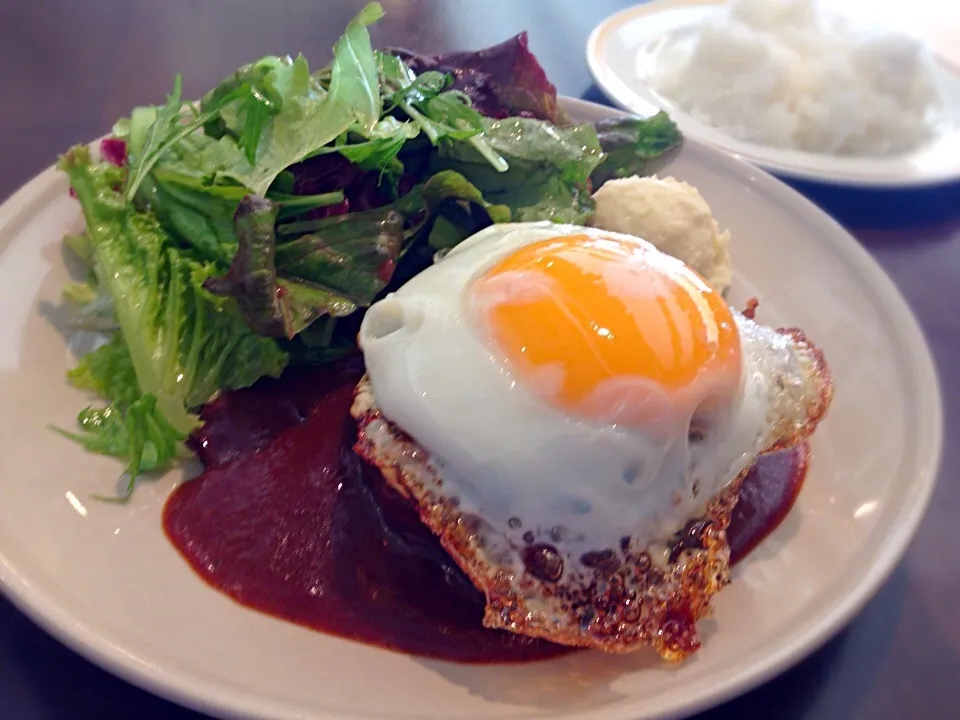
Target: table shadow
{"type": "Point", "coordinates": [933, 233]}
{"type": "Point", "coordinates": [39, 673]}
{"type": "Point", "coordinates": [884, 208]}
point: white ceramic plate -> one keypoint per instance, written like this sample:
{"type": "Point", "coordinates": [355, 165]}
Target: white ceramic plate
{"type": "Point", "coordinates": [628, 48]}
{"type": "Point", "coordinates": [104, 580]}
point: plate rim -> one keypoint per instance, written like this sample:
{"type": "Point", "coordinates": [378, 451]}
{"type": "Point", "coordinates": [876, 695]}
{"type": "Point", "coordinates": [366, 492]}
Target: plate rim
{"type": "Point", "coordinates": [629, 100]}
{"type": "Point", "coordinates": [181, 688]}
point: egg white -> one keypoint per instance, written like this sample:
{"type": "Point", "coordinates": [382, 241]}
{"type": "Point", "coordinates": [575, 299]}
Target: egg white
{"type": "Point", "coordinates": [525, 466]}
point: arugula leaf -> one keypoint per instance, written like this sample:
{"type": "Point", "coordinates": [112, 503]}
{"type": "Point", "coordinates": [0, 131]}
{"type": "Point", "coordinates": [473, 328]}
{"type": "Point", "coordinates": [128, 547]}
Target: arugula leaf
{"type": "Point", "coordinates": [290, 205]}
{"type": "Point", "coordinates": [150, 131]}
{"type": "Point", "coordinates": [190, 201]}
{"type": "Point", "coordinates": [457, 210]}
{"type": "Point", "coordinates": [405, 86]}
{"type": "Point", "coordinates": [549, 168]}
{"type": "Point", "coordinates": [378, 147]}
{"type": "Point", "coordinates": [461, 121]}
{"type": "Point", "coordinates": [199, 215]}
{"type": "Point", "coordinates": [397, 79]}
{"type": "Point", "coordinates": [153, 131]}
{"type": "Point", "coordinates": [548, 197]}
{"type": "Point", "coordinates": [303, 119]}
{"type": "Point", "coordinates": [631, 144]}
{"type": "Point", "coordinates": [184, 343]}
{"type": "Point", "coordinates": [354, 83]}
{"type": "Point", "coordinates": [527, 144]}
{"type": "Point", "coordinates": [255, 94]}
{"type": "Point", "coordinates": [267, 115]}
{"type": "Point", "coordinates": [440, 113]}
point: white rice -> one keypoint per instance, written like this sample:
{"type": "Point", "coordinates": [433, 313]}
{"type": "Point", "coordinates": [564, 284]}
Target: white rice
{"type": "Point", "coordinates": [783, 73]}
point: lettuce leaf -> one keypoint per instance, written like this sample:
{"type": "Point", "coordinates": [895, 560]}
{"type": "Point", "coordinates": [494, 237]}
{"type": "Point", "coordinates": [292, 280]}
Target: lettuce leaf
{"type": "Point", "coordinates": [632, 144]}
{"type": "Point", "coordinates": [184, 343]}
{"type": "Point", "coordinates": [455, 209]}
{"type": "Point", "coordinates": [549, 168]}
{"type": "Point", "coordinates": [548, 197]}
{"type": "Point", "coordinates": [90, 304]}
{"type": "Point", "coordinates": [79, 244]}
{"type": "Point", "coordinates": [376, 148]}
{"type": "Point", "coordinates": [334, 266]}
{"type": "Point", "coordinates": [281, 289]}
{"type": "Point", "coordinates": [256, 93]}
{"type": "Point", "coordinates": [198, 214]}
{"type": "Point", "coordinates": [286, 116]}
{"type": "Point", "coordinates": [534, 145]}
{"type": "Point", "coordinates": [130, 425]}
{"type": "Point", "coordinates": [265, 117]}
{"type": "Point", "coordinates": [152, 132]}
{"type": "Point", "coordinates": [196, 206]}
{"type": "Point", "coordinates": [108, 372]}
{"type": "Point", "coordinates": [137, 432]}
{"type": "Point", "coordinates": [256, 226]}
{"type": "Point", "coordinates": [501, 80]}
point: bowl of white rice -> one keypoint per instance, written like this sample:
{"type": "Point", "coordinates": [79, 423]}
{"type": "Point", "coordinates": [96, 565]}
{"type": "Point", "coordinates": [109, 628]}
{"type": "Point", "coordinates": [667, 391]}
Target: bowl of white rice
{"type": "Point", "coordinates": [795, 86]}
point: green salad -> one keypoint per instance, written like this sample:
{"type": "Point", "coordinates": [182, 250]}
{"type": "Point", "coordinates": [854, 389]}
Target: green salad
{"type": "Point", "coordinates": [234, 236]}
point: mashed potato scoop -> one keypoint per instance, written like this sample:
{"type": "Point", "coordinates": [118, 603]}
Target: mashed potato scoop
{"type": "Point", "coordinates": [672, 216]}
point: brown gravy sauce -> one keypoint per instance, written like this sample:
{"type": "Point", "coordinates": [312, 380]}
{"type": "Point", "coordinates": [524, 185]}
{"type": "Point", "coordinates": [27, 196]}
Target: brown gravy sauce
{"type": "Point", "coordinates": [287, 520]}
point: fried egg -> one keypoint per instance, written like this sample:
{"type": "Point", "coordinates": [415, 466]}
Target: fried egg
{"type": "Point", "coordinates": [560, 403]}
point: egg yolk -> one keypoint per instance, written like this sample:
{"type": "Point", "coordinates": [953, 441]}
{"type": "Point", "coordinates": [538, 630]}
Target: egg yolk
{"type": "Point", "coordinates": [589, 311]}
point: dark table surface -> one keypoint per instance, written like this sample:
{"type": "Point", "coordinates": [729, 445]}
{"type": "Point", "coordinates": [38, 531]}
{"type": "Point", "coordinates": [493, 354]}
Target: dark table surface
{"type": "Point", "coordinates": [69, 68]}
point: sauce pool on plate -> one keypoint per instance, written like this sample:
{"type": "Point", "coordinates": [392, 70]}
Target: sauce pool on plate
{"type": "Point", "coordinates": [287, 520]}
